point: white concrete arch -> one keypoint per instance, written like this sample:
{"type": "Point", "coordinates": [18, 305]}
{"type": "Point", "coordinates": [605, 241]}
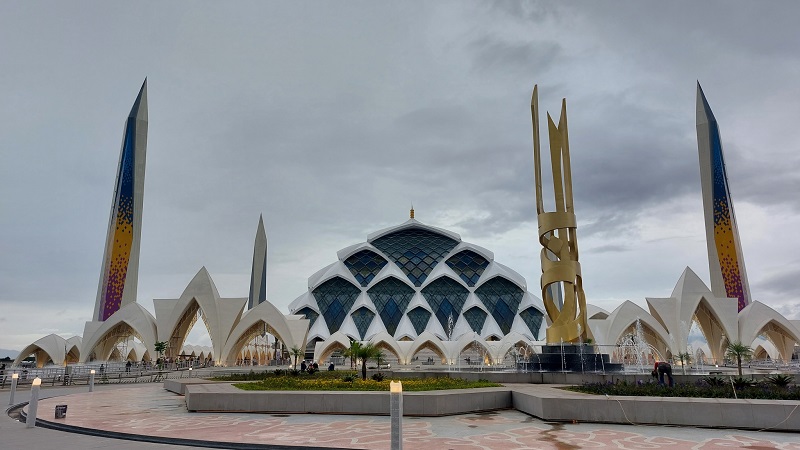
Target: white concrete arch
{"type": "Point", "coordinates": [337, 341]}
{"type": "Point", "coordinates": [428, 340]}
{"type": "Point", "coordinates": [292, 330]}
{"type": "Point", "coordinates": [385, 341]}
{"type": "Point", "coordinates": [409, 224]}
{"type": "Point", "coordinates": [487, 254]}
{"type": "Point", "coordinates": [177, 316]}
{"type": "Point", "coordinates": [495, 269]}
{"type": "Point", "coordinates": [609, 331]}
{"type": "Point", "coordinates": [47, 348]}
{"type": "Point", "coordinates": [74, 345]}
{"type": "Point", "coordinates": [759, 319]}
{"type": "Point", "coordinates": [130, 321]}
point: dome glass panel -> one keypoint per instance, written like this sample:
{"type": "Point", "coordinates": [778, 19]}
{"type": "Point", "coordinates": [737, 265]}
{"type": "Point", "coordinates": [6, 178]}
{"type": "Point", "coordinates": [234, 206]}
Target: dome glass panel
{"type": "Point", "coordinates": [533, 319]}
{"type": "Point", "coordinates": [364, 265]}
{"type": "Point", "coordinates": [502, 298]}
{"type": "Point", "coordinates": [468, 265]}
{"type": "Point", "coordinates": [310, 315]}
{"type": "Point", "coordinates": [446, 297]}
{"type": "Point", "coordinates": [335, 297]}
{"type": "Point", "coordinates": [391, 298]}
{"type": "Point", "coordinates": [415, 251]}
{"type": "Point", "coordinates": [362, 317]}
{"type": "Point", "coordinates": [419, 317]}
{"type": "Point", "coordinates": [475, 318]}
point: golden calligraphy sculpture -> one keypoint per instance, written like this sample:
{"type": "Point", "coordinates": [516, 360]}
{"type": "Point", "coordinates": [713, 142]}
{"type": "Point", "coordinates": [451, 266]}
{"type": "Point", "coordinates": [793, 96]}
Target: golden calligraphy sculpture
{"type": "Point", "coordinates": [558, 235]}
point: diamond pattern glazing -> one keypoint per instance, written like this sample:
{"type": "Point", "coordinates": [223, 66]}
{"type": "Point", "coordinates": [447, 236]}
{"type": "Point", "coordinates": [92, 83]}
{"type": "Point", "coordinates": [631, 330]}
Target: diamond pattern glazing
{"type": "Point", "coordinates": [533, 319]}
{"type": "Point", "coordinates": [362, 317]}
{"type": "Point", "coordinates": [364, 265]}
{"type": "Point", "coordinates": [468, 265]}
{"type": "Point", "coordinates": [416, 252]}
{"type": "Point", "coordinates": [310, 315]}
{"type": "Point", "coordinates": [419, 317]}
{"type": "Point", "coordinates": [446, 297]}
{"type": "Point", "coordinates": [391, 298]}
{"type": "Point", "coordinates": [475, 318]}
{"type": "Point", "coordinates": [502, 298]}
{"type": "Point", "coordinates": [335, 297]}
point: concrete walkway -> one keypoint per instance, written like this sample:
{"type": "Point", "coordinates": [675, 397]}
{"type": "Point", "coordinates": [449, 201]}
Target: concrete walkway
{"type": "Point", "coordinates": [152, 411]}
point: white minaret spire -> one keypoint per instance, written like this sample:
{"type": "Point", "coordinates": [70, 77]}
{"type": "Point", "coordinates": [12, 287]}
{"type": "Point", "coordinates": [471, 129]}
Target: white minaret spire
{"type": "Point", "coordinates": [258, 274]}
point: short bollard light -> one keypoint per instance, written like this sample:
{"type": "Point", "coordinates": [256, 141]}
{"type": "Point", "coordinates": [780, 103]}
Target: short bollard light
{"type": "Point", "coordinates": [396, 413]}
{"type": "Point", "coordinates": [33, 406]}
{"type": "Point", "coordinates": [91, 380]}
{"type": "Point", "coordinates": [14, 378]}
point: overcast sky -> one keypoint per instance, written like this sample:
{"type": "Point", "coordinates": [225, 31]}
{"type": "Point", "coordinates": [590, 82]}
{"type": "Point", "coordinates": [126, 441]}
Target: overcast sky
{"type": "Point", "coordinates": [332, 118]}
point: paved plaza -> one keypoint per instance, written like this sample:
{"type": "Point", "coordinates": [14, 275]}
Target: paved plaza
{"type": "Point", "coordinates": [151, 411]}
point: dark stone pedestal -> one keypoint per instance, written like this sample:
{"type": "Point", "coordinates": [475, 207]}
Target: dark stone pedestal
{"type": "Point", "coordinates": [569, 358]}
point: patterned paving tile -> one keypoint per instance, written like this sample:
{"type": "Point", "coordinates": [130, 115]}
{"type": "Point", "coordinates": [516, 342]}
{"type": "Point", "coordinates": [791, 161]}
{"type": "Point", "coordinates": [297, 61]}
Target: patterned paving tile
{"type": "Point", "coordinates": [156, 412]}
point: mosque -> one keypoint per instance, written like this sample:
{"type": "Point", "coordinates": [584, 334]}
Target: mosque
{"type": "Point", "coordinates": [412, 289]}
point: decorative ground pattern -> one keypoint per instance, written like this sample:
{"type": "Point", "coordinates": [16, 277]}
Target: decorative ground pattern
{"type": "Point", "coordinates": [155, 412]}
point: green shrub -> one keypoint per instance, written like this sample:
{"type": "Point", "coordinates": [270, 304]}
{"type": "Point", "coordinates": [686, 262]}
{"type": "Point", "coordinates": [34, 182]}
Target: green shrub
{"type": "Point", "coordinates": [702, 389]}
{"type": "Point", "coordinates": [378, 376]}
{"type": "Point", "coordinates": [779, 380]}
{"type": "Point", "coordinates": [742, 382]}
{"type": "Point", "coordinates": [349, 378]}
{"type": "Point", "coordinates": [294, 372]}
{"type": "Point", "coordinates": [714, 381]}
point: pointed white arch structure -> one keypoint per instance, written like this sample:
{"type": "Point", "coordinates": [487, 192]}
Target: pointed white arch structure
{"type": "Point", "coordinates": [758, 319]}
{"type": "Point", "coordinates": [200, 299]}
{"type": "Point", "coordinates": [47, 348]}
{"type": "Point", "coordinates": [292, 330]}
{"type": "Point", "coordinates": [130, 321]}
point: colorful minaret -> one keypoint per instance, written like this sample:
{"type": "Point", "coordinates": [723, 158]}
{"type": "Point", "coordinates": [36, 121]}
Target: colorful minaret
{"type": "Point", "coordinates": [120, 271]}
{"type": "Point", "coordinates": [725, 259]}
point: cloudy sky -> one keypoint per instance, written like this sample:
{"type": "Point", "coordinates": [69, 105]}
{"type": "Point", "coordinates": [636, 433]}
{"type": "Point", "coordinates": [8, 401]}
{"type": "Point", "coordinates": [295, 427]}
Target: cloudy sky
{"type": "Point", "coordinates": [332, 118]}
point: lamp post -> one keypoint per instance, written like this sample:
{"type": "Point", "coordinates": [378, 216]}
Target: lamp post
{"type": "Point", "coordinates": [14, 378]}
{"type": "Point", "coordinates": [33, 406]}
{"type": "Point", "coordinates": [91, 380]}
{"type": "Point", "coordinates": [396, 414]}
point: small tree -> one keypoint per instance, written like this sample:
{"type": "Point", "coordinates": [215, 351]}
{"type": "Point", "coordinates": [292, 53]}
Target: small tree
{"type": "Point", "coordinates": [739, 351]}
{"type": "Point", "coordinates": [365, 353]}
{"type": "Point", "coordinates": [296, 352]}
{"type": "Point", "coordinates": [161, 347]}
{"type": "Point", "coordinates": [685, 358]}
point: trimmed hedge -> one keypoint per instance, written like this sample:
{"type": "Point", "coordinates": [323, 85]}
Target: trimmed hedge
{"type": "Point", "coordinates": [745, 389]}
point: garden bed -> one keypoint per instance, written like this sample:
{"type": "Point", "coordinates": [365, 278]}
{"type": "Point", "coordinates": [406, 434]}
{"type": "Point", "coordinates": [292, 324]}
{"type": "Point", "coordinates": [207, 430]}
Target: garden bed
{"type": "Point", "coordinates": [772, 388]}
{"type": "Point", "coordinates": [344, 381]}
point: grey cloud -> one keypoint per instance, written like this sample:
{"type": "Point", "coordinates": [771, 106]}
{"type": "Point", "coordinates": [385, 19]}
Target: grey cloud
{"type": "Point", "coordinates": [526, 57]}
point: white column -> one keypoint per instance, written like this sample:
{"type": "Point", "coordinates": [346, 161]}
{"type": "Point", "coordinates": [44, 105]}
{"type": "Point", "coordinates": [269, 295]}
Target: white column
{"type": "Point", "coordinates": [33, 406]}
{"type": "Point", "coordinates": [396, 414]}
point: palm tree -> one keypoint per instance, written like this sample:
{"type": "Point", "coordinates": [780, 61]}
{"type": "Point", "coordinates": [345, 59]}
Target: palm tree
{"type": "Point", "coordinates": [685, 359]}
{"type": "Point", "coordinates": [352, 353]}
{"type": "Point", "coordinates": [296, 352]}
{"type": "Point", "coordinates": [367, 352]}
{"type": "Point", "coordinates": [739, 351]}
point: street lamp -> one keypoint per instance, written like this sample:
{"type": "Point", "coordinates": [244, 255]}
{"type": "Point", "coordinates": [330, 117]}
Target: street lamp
{"type": "Point", "coordinates": [33, 406]}
{"type": "Point", "coordinates": [396, 413]}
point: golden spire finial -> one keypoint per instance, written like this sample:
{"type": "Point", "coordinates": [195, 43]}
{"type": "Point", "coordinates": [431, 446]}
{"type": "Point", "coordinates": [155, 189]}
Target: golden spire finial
{"type": "Point", "coordinates": [412, 211]}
